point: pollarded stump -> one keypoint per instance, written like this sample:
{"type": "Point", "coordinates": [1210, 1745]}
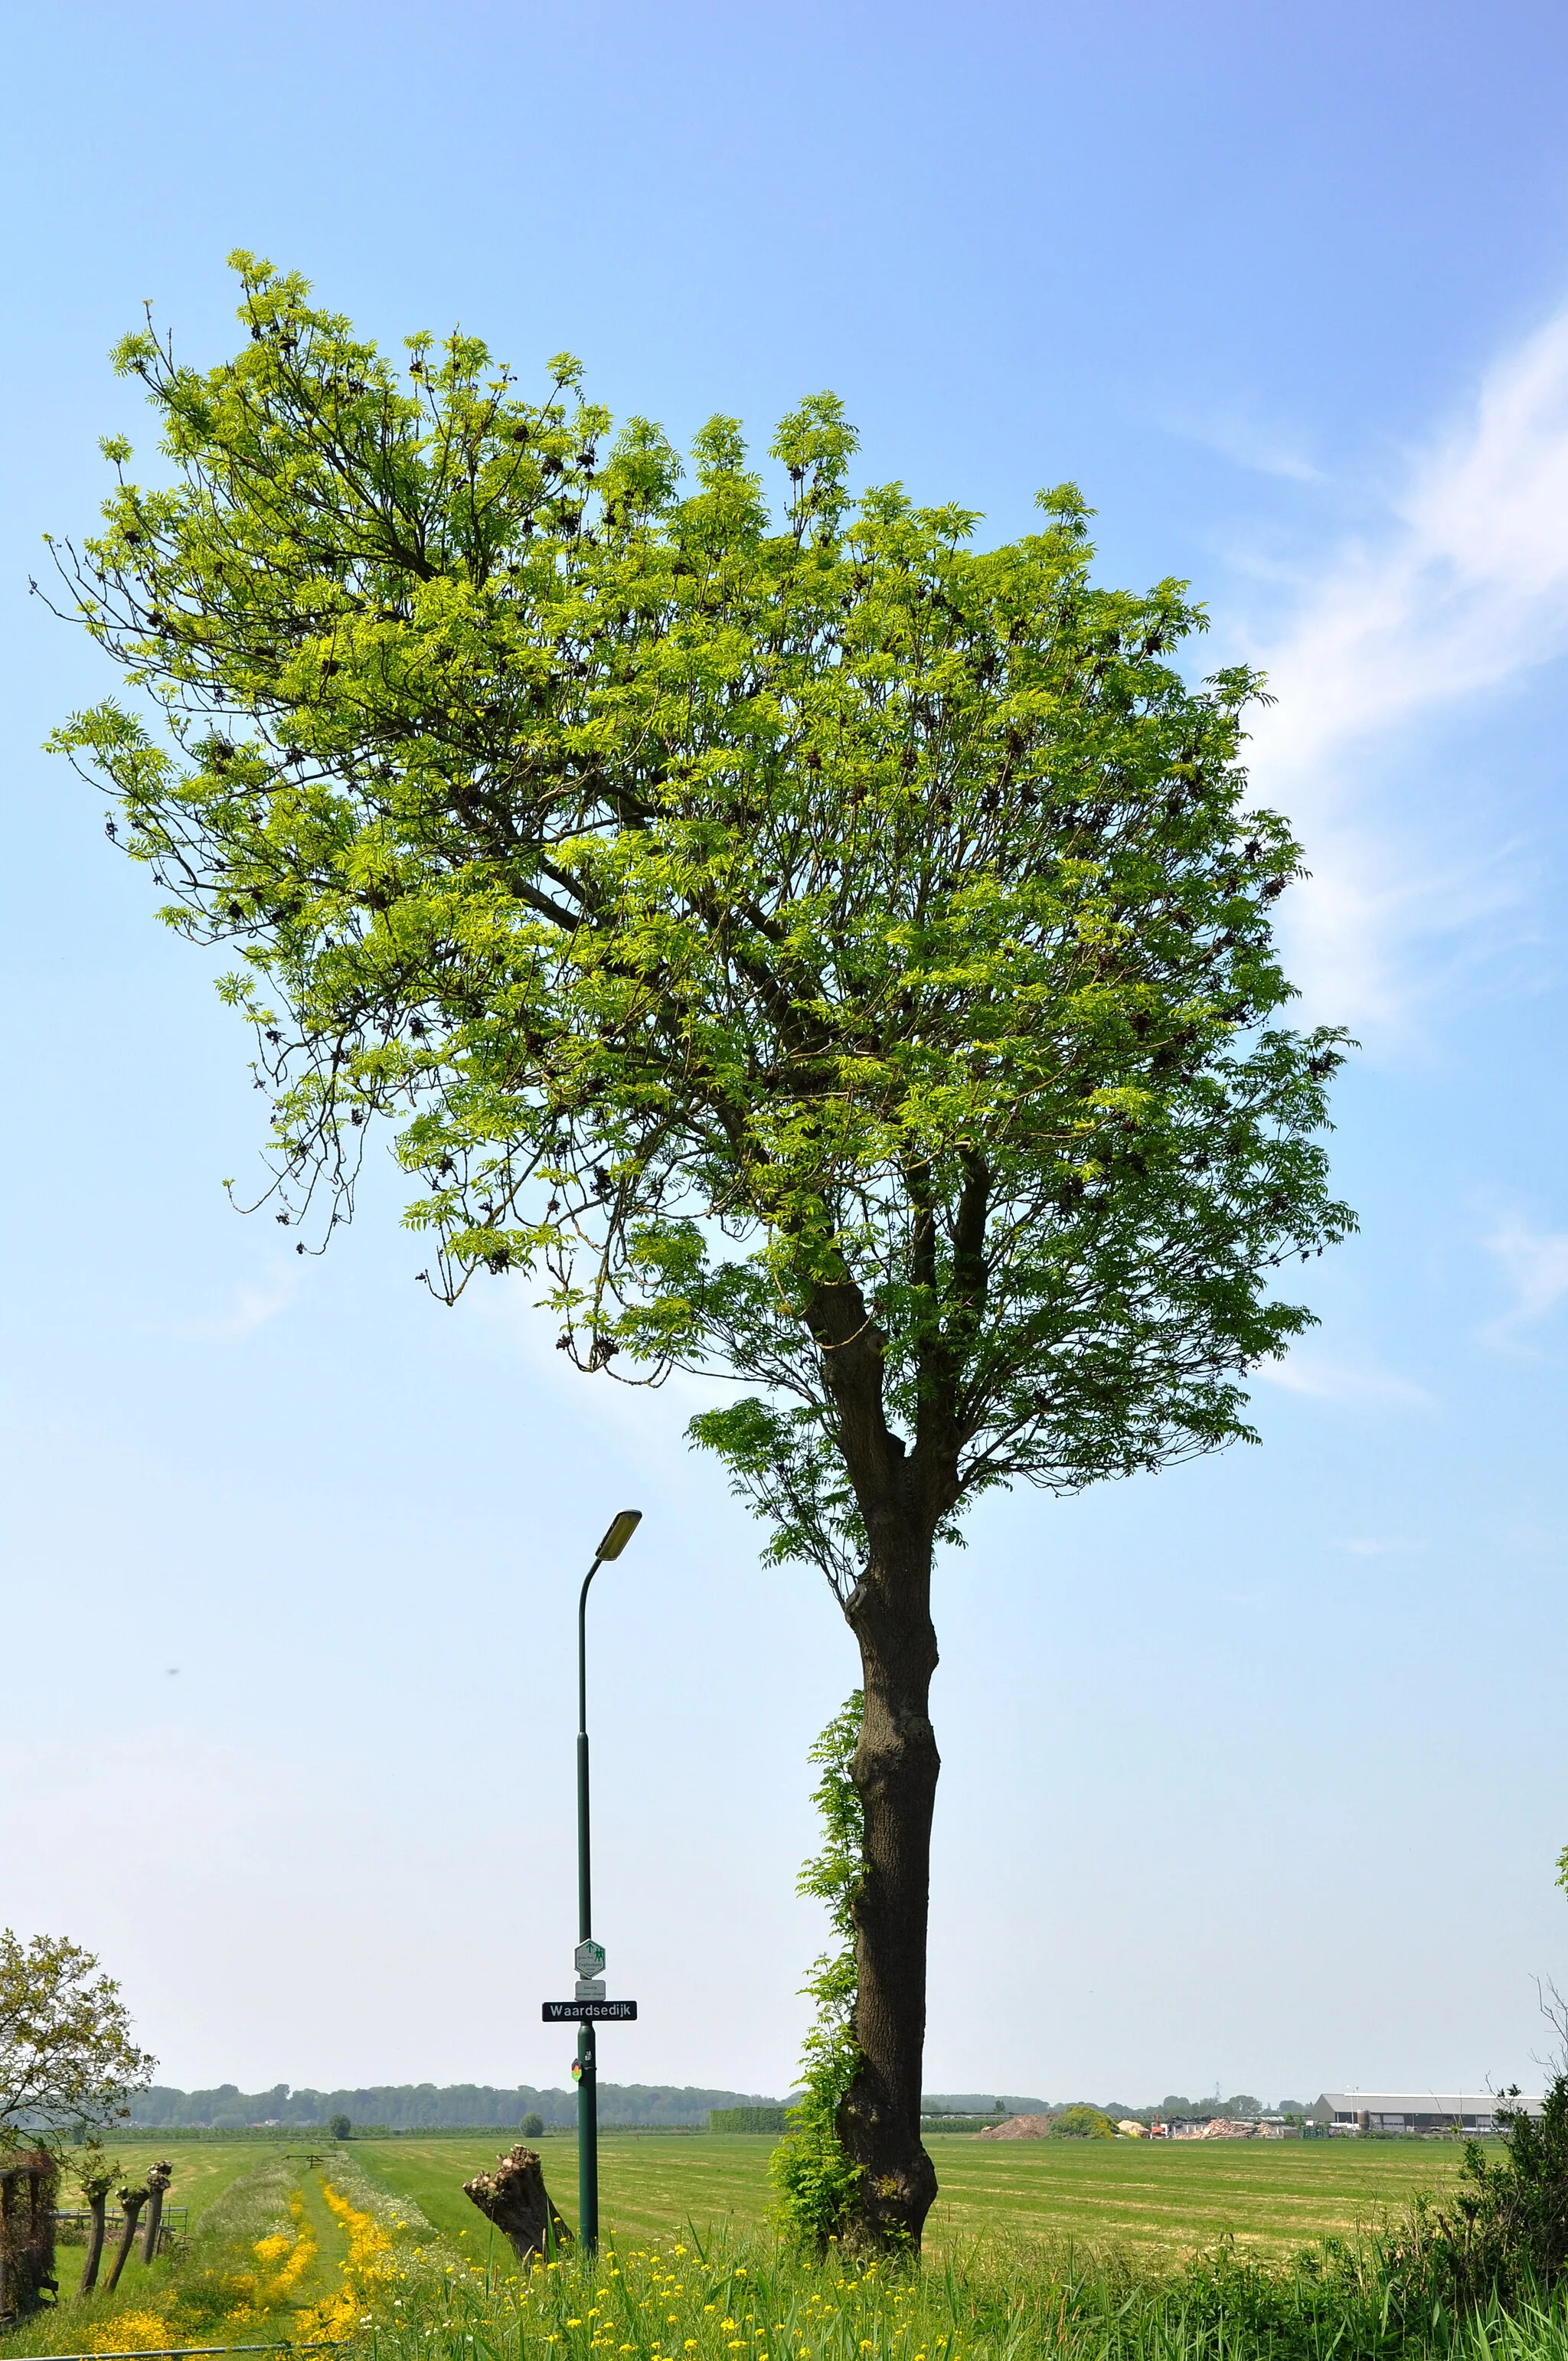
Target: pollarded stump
{"type": "Point", "coordinates": [515, 2198]}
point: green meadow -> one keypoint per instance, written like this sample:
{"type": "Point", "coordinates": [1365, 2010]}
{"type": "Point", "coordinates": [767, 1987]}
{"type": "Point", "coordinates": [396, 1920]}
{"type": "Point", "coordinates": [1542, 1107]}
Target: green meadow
{"type": "Point", "coordinates": [1082, 2248]}
{"type": "Point", "coordinates": [1154, 2197]}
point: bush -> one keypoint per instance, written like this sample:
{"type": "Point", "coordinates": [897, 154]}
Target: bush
{"type": "Point", "coordinates": [340, 2127]}
{"type": "Point", "coordinates": [532, 2127]}
{"type": "Point", "coordinates": [1083, 2122]}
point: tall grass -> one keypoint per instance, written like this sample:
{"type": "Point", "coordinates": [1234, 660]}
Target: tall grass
{"type": "Point", "coordinates": [754, 2300]}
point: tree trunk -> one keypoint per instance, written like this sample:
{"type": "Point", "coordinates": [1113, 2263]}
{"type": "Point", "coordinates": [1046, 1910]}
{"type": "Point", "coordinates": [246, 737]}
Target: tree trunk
{"type": "Point", "coordinates": [515, 2198]}
{"type": "Point", "coordinates": [131, 2202]}
{"type": "Point", "coordinates": [158, 2181]}
{"type": "Point", "coordinates": [96, 2200]}
{"type": "Point", "coordinates": [894, 1769]}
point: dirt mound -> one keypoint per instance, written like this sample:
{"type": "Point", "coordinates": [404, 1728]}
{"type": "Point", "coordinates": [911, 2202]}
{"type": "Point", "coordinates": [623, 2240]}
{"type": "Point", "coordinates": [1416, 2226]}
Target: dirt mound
{"type": "Point", "coordinates": [1021, 2127]}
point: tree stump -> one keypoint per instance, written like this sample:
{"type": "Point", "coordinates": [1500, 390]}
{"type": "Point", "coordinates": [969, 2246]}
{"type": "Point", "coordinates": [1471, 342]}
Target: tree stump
{"type": "Point", "coordinates": [158, 2181]}
{"type": "Point", "coordinates": [515, 2198]}
{"type": "Point", "coordinates": [131, 2202]}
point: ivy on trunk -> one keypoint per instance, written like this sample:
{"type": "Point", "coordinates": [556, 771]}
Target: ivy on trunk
{"type": "Point", "coordinates": [805, 945]}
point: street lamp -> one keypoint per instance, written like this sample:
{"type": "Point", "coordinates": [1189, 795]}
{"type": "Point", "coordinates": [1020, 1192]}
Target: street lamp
{"type": "Point", "coordinates": [591, 1955]}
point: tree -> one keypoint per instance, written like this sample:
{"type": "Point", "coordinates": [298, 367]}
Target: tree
{"type": "Point", "coordinates": [67, 2060]}
{"type": "Point", "coordinates": [157, 2179]}
{"type": "Point", "coordinates": [817, 951]}
{"type": "Point", "coordinates": [132, 2199]}
{"type": "Point", "coordinates": [340, 2127]}
{"type": "Point", "coordinates": [95, 2174]}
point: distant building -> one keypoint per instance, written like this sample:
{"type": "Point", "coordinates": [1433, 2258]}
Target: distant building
{"type": "Point", "coordinates": [1474, 2111]}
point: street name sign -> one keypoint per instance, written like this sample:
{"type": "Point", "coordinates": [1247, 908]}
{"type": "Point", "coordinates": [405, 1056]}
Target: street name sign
{"type": "Point", "coordinates": [589, 2012]}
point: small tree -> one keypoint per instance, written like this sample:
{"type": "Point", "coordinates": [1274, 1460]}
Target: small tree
{"type": "Point", "coordinates": [157, 2179]}
{"type": "Point", "coordinates": [533, 2126]}
{"type": "Point", "coordinates": [132, 2200]}
{"type": "Point", "coordinates": [824, 954]}
{"type": "Point", "coordinates": [340, 2127]}
{"type": "Point", "coordinates": [95, 2174]}
{"type": "Point", "coordinates": [67, 2060]}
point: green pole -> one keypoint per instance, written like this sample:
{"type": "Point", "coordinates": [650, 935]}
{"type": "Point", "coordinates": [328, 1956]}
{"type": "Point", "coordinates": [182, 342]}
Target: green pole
{"type": "Point", "coordinates": [587, 2062]}
{"type": "Point", "coordinates": [621, 1529]}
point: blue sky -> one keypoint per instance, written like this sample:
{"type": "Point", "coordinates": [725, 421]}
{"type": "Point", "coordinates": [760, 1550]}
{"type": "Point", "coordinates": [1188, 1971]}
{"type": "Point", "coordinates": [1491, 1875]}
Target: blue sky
{"type": "Point", "coordinates": [1255, 1772]}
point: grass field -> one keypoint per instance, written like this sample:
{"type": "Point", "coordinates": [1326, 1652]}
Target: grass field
{"type": "Point", "coordinates": [1156, 2198]}
{"type": "Point", "coordinates": [1113, 2220]}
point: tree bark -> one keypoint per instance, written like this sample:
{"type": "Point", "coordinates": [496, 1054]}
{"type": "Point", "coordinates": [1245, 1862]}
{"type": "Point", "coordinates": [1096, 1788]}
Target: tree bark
{"type": "Point", "coordinates": [895, 1770]}
{"type": "Point", "coordinates": [903, 1496]}
{"type": "Point", "coordinates": [515, 2198]}
{"type": "Point", "coordinates": [158, 2181]}
{"type": "Point", "coordinates": [131, 2202]}
{"type": "Point", "coordinates": [96, 2200]}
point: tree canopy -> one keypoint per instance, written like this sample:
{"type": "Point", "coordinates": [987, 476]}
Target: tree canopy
{"type": "Point", "coordinates": [760, 926]}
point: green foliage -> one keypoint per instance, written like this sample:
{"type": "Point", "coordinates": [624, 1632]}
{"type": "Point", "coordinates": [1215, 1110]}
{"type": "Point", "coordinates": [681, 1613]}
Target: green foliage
{"type": "Point", "coordinates": [67, 2060]}
{"type": "Point", "coordinates": [1508, 2227]}
{"type": "Point", "coordinates": [816, 2182]}
{"type": "Point", "coordinates": [746, 2119]}
{"type": "Point", "coordinates": [757, 926]}
{"type": "Point", "coordinates": [1082, 2123]}
{"type": "Point", "coordinates": [340, 2127]}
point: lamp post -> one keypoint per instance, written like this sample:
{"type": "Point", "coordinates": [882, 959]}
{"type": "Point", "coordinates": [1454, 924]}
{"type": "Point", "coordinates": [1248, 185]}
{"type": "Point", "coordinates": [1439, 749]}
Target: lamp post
{"type": "Point", "coordinates": [590, 1958]}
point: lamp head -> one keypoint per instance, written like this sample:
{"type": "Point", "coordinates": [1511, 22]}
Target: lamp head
{"type": "Point", "coordinates": [621, 1532]}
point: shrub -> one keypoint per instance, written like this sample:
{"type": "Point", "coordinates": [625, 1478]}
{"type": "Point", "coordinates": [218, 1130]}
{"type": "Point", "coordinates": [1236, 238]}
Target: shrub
{"type": "Point", "coordinates": [533, 2126]}
{"type": "Point", "coordinates": [1083, 2122]}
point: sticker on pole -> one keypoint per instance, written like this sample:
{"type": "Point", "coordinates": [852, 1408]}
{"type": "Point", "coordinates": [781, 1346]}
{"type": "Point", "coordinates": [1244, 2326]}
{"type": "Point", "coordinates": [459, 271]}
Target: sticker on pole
{"type": "Point", "coordinates": [589, 2012]}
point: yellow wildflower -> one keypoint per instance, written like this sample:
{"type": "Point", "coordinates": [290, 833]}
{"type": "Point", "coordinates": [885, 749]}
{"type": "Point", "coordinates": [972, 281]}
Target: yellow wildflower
{"type": "Point", "coordinates": [140, 2331]}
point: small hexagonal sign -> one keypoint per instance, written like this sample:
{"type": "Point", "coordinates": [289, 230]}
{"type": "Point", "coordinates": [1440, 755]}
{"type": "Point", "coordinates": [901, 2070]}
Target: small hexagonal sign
{"type": "Point", "coordinates": [590, 1958]}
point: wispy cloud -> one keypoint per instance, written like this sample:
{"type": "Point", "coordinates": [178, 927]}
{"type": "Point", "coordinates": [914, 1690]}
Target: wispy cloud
{"type": "Point", "coordinates": [1352, 1385]}
{"type": "Point", "coordinates": [1364, 1547]}
{"type": "Point", "coordinates": [1536, 1262]}
{"type": "Point", "coordinates": [1460, 587]}
{"type": "Point", "coordinates": [1235, 434]}
{"type": "Point", "coordinates": [251, 1308]}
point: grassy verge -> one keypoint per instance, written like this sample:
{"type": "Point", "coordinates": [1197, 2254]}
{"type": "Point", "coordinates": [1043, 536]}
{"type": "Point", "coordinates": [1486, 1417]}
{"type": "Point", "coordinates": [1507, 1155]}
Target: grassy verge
{"type": "Point", "coordinates": [686, 2300]}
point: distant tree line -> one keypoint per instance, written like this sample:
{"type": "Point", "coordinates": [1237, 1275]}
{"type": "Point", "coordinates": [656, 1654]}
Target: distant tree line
{"type": "Point", "coordinates": [425, 2106]}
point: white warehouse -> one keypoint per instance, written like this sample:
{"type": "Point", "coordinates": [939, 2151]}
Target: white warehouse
{"type": "Point", "coordinates": [1414, 2111]}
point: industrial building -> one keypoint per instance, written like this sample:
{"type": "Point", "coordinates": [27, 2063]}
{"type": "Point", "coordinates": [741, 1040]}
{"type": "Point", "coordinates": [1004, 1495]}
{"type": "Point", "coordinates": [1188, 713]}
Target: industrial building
{"type": "Point", "coordinates": [1474, 2111]}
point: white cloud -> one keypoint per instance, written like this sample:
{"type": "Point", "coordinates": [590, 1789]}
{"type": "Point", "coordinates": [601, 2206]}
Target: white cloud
{"type": "Point", "coordinates": [1356, 1387]}
{"type": "Point", "coordinates": [1362, 1546]}
{"type": "Point", "coordinates": [1536, 1262]}
{"type": "Point", "coordinates": [1463, 588]}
